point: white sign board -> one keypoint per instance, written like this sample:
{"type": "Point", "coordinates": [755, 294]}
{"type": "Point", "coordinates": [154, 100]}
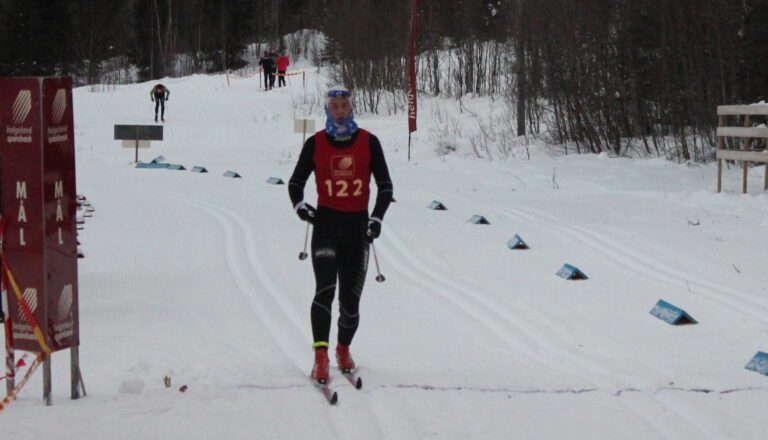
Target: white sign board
{"type": "Point", "coordinates": [303, 125]}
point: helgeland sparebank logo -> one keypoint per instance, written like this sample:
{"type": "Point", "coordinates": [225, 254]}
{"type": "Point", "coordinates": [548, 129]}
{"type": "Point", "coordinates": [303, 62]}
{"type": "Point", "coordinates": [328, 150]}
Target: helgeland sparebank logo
{"type": "Point", "coordinates": [65, 328]}
{"type": "Point", "coordinates": [59, 106]}
{"type": "Point", "coordinates": [16, 132]}
{"type": "Point", "coordinates": [21, 328]}
{"type": "Point", "coordinates": [65, 303]}
{"type": "Point", "coordinates": [30, 297]}
{"type": "Point", "coordinates": [22, 106]}
{"type": "Point", "coordinates": [57, 132]}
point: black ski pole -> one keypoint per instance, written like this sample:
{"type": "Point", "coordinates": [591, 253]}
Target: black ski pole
{"type": "Point", "coordinates": [379, 277]}
{"type": "Point", "coordinates": [303, 254]}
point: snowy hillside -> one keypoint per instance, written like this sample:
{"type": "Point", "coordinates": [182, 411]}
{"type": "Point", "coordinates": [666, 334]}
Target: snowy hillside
{"type": "Point", "coordinates": [196, 277]}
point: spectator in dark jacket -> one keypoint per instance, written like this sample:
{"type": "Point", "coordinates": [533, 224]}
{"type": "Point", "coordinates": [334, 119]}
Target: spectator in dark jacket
{"type": "Point", "coordinates": [267, 64]}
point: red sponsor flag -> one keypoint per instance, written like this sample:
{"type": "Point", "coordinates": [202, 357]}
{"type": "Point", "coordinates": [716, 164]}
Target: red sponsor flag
{"type": "Point", "coordinates": [412, 68]}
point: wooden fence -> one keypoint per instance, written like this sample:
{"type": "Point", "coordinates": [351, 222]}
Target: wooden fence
{"type": "Point", "coordinates": [747, 114]}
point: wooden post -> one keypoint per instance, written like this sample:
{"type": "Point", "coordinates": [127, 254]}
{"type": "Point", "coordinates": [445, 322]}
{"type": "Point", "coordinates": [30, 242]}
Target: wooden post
{"type": "Point", "coordinates": [745, 147]}
{"type": "Point", "coordinates": [721, 121]}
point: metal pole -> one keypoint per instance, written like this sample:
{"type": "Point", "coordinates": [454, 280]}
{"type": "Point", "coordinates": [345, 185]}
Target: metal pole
{"type": "Point", "coordinates": [409, 146]}
{"type": "Point", "coordinates": [10, 360]}
{"type": "Point", "coordinates": [76, 375]}
{"type": "Point", "coordinates": [47, 381]}
{"type": "Point", "coordinates": [379, 277]}
{"type": "Point", "coordinates": [137, 142]}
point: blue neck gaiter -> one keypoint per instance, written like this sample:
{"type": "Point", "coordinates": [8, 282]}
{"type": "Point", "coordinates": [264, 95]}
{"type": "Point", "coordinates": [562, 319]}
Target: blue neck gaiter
{"type": "Point", "coordinates": [340, 130]}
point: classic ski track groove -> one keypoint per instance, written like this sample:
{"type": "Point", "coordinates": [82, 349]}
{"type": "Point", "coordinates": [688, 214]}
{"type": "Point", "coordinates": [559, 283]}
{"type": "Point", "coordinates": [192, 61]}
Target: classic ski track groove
{"type": "Point", "coordinates": [481, 316]}
{"type": "Point", "coordinates": [227, 218]}
{"type": "Point", "coordinates": [530, 331]}
{"type": "Point", "coordinates": [605, 248]}
{"type": "Point", "coordinates": [502, 331]}
{"type": "Point", "coordinates": [649, 267]}
{"type": "Point", "coordinates": [643, 264]}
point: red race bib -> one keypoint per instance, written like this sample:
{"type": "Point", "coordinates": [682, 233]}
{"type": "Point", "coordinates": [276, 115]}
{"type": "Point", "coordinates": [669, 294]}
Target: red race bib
{"type": "Point", "coordinates": [343, 175]}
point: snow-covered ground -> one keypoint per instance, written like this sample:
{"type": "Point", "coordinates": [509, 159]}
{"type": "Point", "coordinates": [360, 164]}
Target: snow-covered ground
{"type": "Point", "coordinates": [196, 276]}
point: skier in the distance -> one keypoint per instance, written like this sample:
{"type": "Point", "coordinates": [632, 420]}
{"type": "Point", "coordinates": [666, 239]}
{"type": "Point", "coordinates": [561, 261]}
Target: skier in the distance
{"type": "Point", "coordinates": [159, 95]}
{"type": "Point", "coordinates": [343, 158]}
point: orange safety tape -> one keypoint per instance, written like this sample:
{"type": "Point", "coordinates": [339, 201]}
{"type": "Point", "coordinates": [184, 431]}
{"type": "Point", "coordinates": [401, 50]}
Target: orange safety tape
{"type": "Point", "coordinates": [284, 74]}
{"type": "Point", "coordinates": [236, 76]}
{"type": "Point", "coordinates": [19, 364]}
{"type": "Point", "coordinates": [25, 307]}
{"type": "Point", "coordinates": [12, 395]}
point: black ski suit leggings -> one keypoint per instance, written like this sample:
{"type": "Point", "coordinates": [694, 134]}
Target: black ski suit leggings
{"type": "Point", "coordinates": [160, 104]}
{"type": "Point", "coordinates": [339, 255]}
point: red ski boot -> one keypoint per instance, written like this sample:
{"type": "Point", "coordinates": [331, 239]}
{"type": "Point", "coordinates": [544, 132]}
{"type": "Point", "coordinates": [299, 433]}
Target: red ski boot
{"type": "Point", "coordinates": [320, 370]}
{"type": "Point", "coordinates": [344, 359]}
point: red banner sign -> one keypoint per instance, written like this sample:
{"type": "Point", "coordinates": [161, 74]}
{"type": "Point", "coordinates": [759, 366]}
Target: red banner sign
{"type": "Point", "coordinates": [39, 203]}
{"type": "Point", "coordinates": [60, 207]}
{"type": "Point", "coordinates": [412, 68]}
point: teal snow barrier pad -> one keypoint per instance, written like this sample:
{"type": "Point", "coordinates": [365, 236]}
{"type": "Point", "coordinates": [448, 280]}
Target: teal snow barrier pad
{"type": "Point", "coordinates": [517, 243]}
{"type": "Point", "coordinates": [152, 165]}
{"type": "Point", "coordinates": [437, 206]}
{"type": "Point", "coordinates": [671, 314]}
{"type": "Point", "coordinates": [479, 220]}
{"type": "Point", "coordinates": [158, 159]}
{"type": "Point", "coordinates": [198, 169]}
{"type": "Point", "coordinates": [759, 363]}
{"type": "Point", "coordinates": [570, 272]}
{"type": "Point", "coordinates": [232, 174]}
{"type": "Point", "coordinates": [275, 181]}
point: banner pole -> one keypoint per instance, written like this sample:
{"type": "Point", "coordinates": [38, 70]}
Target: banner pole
{"type": "Point", "coordinates": [409, 146]}
{"type": "Point", "coordinates": [76, 375]}
{"type": "Point", "coordinates": [47, 381]}
{"type": "Point", "coordinates": [412, 74]}
{"type": "Point", "coordinates": [10, 358]}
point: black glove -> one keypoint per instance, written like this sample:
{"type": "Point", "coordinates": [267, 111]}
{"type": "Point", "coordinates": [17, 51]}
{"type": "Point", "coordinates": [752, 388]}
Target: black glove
{"type": "Point", "coordinates": [374, 229]}
{"type": "Point", "coordinates": [306, 212]}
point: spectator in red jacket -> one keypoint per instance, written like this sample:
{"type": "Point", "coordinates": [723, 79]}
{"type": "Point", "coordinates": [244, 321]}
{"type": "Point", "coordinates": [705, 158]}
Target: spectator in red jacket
{"type": "Point", "coordinates": [282, 65]}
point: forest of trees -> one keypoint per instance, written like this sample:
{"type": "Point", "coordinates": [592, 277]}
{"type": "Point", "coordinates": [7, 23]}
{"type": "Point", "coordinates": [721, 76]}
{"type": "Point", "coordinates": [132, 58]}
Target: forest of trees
{"type": "Point", "coordinates": [598, 74]}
